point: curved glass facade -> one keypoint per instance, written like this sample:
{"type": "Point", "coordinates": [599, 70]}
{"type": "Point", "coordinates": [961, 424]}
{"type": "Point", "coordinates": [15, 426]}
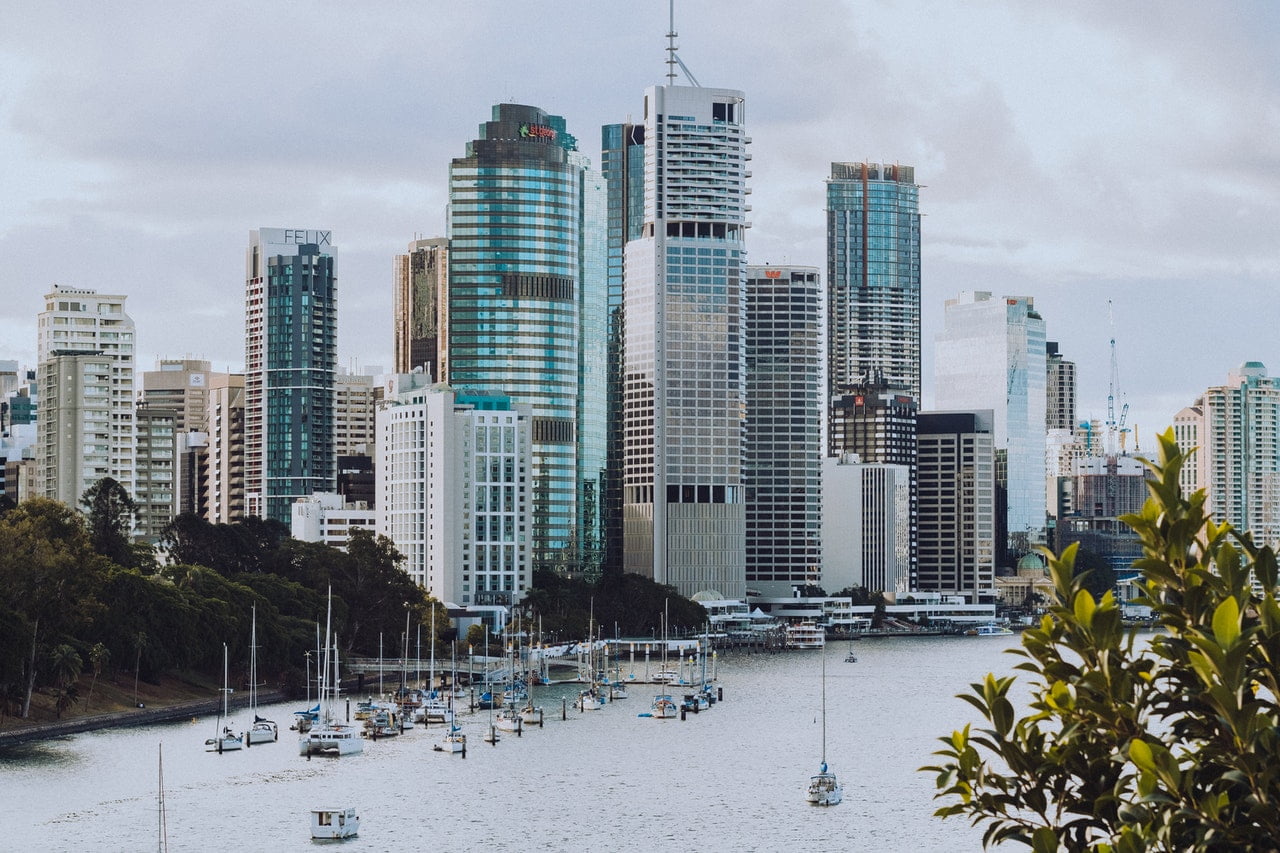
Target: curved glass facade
{"type": "Point", "coordinates": [524, 280]}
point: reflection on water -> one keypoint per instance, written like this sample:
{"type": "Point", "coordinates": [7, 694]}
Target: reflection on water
{"type": "Point", "coordinates": [732, 777]}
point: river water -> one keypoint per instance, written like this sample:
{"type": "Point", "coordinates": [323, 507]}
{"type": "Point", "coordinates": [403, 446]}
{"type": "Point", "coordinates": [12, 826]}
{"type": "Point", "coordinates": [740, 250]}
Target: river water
{"type": "Point", "coordinates": [730, 778]}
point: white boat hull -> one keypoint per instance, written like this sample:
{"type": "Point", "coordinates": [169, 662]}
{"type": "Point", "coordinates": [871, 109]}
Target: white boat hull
{"type": "Point", "coordinates": [326, 741]}
{"type": "Point", "coordinates": [825, 790]}
{"type": "Point", "coordinates": [329, 824]}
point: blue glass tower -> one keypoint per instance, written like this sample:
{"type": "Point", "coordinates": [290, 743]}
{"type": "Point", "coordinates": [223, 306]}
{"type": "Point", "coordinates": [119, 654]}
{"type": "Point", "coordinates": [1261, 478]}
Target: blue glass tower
{"type": "Point", "coordinates": [873, 276]}
{"type": "Point", "coordinates": [526, 313]}
{"type": "Point", "coordinates": [291, 352]}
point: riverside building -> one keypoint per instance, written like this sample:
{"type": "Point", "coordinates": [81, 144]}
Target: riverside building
{"type": "Point", "coordinates": [527, 316]}
{"type": "Point", "coordinates": [684, 391]}
{"type": "Point", "coordinates": [783, 431]}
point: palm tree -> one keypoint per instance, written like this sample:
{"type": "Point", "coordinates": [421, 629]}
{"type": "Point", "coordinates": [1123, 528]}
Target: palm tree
{"type": "Point", "coordinates": [66, 664]}
{"type": "Point", "coordinates": [99, 655]}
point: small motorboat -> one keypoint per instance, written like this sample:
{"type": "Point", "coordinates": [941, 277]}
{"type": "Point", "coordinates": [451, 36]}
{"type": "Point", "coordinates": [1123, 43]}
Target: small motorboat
{"type": "Point", "coordinates": [329, 824]}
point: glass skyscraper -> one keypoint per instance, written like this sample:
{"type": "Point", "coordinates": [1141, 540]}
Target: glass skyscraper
{"type": "Point", "coordinates": [991, 355]}
{"type": "Point", "coordinates": [873, 276]}
{"type": "Point", "coordinates": [622, 161]}
{"type": "Point", "coordinates": [526, 313]}
{"type": "Point", "coordinates": [683, 361]}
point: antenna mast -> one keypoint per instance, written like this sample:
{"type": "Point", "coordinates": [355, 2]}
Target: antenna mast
{"type": "Point", "coordinates": [673, 58]}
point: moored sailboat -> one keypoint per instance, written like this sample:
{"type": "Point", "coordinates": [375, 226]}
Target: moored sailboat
{"type": "Point", "coordinates": [330, 736]}
{"type": "Point", "coordinates": [824, 788]}
{"type": "Point", "coordinates": [261, 730]}
{"type": "Point", "coordinates": [225, 740]}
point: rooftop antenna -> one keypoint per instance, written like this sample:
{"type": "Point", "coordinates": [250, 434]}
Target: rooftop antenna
{"type": "Point", "coordinates": [673, 58]}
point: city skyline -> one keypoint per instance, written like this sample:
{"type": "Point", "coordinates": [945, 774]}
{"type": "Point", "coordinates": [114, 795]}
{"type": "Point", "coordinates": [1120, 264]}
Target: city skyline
{"type": "Point", "coordinates": [1074, 155]}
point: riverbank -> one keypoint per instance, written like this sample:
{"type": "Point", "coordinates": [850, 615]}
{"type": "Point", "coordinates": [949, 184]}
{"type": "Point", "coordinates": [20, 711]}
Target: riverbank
{"type": "Point", "coordinates": [115, 705]}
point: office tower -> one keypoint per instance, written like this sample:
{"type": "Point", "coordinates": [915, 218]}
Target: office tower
{"type": "Point", "coordinates": [18, 405]}
{"type": "Point", "coordinates": [224, 462]}
{"type": "Point", "coordinates": [991, 355]}
{"type": "Point", "coordinates": [1092, 498]}
{"type": "Point", "coordinates": [421, 296]}
{"type": "Point", "coordinates": [955, 483]}
{"type": "Point", "coordinates": [1060, 390]}
{"type": "Point", "coordinates": [866, 525]}
{"type": "Point", "coordinates": [683, 511]}
{"type": "Point", "coordinates": [783, 474]}
{"type": "Point", "coordinates": [622, 161]}
{"type": "Point", "coordinates": [156, 456]}
{"type": "Point", "coordinates": [1241, 446]}
{"type": "Point", "coordinates": [873, 276]}
{"type": "Point", "coordinates": [291, 343]}
{"type": "Point", "coordinates": [526, 312]}
{"type": "Point", "coordinates": [454, 488]}
{"type": "Point", "coordinates": [85, 351]}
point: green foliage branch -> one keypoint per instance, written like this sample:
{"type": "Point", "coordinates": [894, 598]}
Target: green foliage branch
{"type": "Point", "coordinates": [1129, 746]}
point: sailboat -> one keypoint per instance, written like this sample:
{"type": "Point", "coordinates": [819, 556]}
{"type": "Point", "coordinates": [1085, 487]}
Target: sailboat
{"type": "Point", "coordinates": [225, 739]}
{"type": "Point", "coordinates": [824, 788]}
{"type": "Point", "coordinates": [262, 730]}
{"type": "Point", "coordinates": [329, 735]}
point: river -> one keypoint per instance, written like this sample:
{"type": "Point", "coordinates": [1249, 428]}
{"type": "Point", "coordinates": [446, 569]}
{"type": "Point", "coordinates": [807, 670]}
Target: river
{"type": "Point", "coordinates": [730, 778]}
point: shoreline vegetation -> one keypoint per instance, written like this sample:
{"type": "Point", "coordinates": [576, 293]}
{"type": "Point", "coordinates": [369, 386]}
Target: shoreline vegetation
{"type": "Point", "coordinates": [114, 706]}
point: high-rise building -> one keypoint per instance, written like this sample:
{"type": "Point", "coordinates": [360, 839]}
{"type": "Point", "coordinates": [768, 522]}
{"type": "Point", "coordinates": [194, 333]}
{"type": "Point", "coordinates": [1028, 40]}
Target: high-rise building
{"type": "Point", "coordinates": [1241, 448]}
{"type": "Point", "coordinates": [866, 525]}
{"type": "Point", "coordinates": [85, 430]}
{"type": "Point", "coordinates": [784, 391]}
{"type": "Point", "coordinates": [955, 482]}
{"type": "Point", "coordinates": [683, 499]}
{"type": "Point", "coordinates": [526, 313]}
{"type": "Point", "coordinates": [1060, 390]}
{"type": "Point", "coordinates": [991, 355]}
{"type": "Point", "coordinates": [873, 276]}
{"type": "Point", "coordinates": [224, 460]}
{"type": "Point", "coordinates": [453, 474]}
{"type": "Point", "coordinates": [355, 396]}
{"type": "Point", "coordinates": [291, 346]}
{"type": "Point", "coordinates": [421, 297]}
{"type": "Point", "coordinates": [622, 161]}
{"type": "Point", "coordinates": [156, 482]}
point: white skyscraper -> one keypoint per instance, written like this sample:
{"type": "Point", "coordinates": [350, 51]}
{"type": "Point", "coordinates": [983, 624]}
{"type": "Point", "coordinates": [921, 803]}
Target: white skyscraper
{"type": "Point", "coordinates": [85, 428]}
{"type": "Point", "coordinates": [683, 369]}
{"type": "Point", "coordinates": [991, 355]}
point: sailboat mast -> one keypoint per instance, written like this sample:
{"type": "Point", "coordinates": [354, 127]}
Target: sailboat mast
{"type": "Point", "coordinates": [163, 830]}
{"type": "Point", "coordinates": [824, 711]}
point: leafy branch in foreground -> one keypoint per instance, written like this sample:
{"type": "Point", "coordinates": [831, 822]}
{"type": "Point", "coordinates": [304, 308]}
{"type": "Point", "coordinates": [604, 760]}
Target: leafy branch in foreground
{"type": "Point", "coordinates": [1129, 746]}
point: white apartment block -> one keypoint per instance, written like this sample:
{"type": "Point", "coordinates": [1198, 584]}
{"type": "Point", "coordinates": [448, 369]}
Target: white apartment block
{"type": "Point", "coordinates": [453, 490]}
{"type": "Point", "coordinates": [85, 430]}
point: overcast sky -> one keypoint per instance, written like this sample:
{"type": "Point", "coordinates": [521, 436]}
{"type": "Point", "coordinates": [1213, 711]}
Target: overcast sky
{"type": "Point", "coordinates": [1073, 152]}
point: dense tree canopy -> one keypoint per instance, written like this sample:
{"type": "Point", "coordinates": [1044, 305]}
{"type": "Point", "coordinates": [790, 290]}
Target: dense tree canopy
{"type": "Point", "coordinates": [1130, 745]}
{"type": "Point", "coordinates": [628, 603]}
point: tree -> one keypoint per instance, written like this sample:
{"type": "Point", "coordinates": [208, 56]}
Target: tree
{"type": "Point", "coordinates": [99, 655]}
{"type": "Point", "coordinates": [50, 574]}
{"type": "Point", "coordinates": [112, 513]}
{"type": "Point", "coordinates": [1100, 577]}
{"type": "Point", "coordinates": [1169, 745]}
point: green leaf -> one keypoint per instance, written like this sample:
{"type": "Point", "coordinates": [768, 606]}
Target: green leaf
{"type": "Point", "coordinates": [1226, 622]}
{"type": "Point", "coordinates": [1045, 840]}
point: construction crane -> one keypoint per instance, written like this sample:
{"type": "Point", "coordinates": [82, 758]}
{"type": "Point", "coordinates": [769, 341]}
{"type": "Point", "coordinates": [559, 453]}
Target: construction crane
{"type": "Point", "coordinates": [1116, 430]}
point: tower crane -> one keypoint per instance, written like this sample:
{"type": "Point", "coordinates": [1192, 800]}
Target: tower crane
{"type": "Point", "coordinates": [1117, 432]}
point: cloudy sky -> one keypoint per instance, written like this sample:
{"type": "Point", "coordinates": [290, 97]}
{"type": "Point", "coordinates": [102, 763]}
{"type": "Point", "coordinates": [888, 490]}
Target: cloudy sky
{"type": "Point", "coordinates": [1085, 153]}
